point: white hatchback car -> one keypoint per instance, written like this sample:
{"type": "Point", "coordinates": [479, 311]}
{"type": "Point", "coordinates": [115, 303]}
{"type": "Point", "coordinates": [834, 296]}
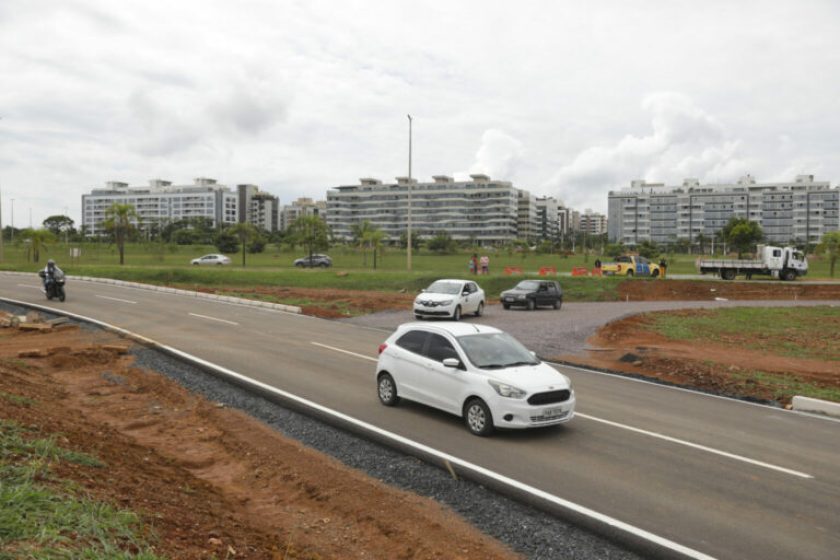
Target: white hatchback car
{"type": "Point", "coordinates": [211, 259]}
{"type": "Point", "coordinates": [451, 299]}
{"type": "Point", "coordinates": [474, 371]}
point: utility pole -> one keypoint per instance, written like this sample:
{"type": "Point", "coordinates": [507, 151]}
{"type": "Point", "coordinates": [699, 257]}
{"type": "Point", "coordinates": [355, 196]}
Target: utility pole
{"type": "Point", "coordinates": [408, 232]}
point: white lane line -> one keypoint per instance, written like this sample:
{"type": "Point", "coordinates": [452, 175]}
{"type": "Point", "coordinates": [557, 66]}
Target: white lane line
{"type": "Point", "coordinates": [696, 446]}
{"type": "Point", "coordinates": [117, 299]}
{"type": "Point", "coordinates": [362, 356]}
{"type": "Point", "coordinates": [30, 286]}
{"type": "Point", "coordinates": [214, 319]}
{"type": "Point", "coordinates": [639, 431]}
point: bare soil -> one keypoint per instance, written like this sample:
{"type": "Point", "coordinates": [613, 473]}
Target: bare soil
{"type": "Point", "coordinates": [211, 481]}
{"type": "Point", "coordinates": [721, 368]}
{"type": "Point", "coordinates": [703, 290]}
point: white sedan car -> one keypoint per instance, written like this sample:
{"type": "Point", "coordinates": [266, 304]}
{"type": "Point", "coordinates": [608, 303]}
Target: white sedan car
{"type": "Point", "coordinates": [477, 372]}
{"type": "Point", "coordinates": [211, 259]}
{"type": "Point", "coordinates": [450, 299]}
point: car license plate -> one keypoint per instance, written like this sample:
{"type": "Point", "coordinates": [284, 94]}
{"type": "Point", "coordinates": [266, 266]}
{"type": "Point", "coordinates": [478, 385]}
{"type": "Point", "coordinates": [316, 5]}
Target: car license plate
{"type": "Point", "coordinates": [508, 299]}
{"type": "Point", "coordinates": [554, 412]}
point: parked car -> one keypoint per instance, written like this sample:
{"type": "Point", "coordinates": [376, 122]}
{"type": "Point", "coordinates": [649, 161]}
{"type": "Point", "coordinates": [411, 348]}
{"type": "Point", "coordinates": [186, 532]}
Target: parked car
{"type": "Point", "coordinates": [450, 299]}
{"type": "Point", "coordinates": [477, 372]}
{"type": "Point", "coordinates": [533, 293]}
{"type": "Point", "coordinates": [322, 261]}
{"type": "Point", "coordinates": [211, 259]}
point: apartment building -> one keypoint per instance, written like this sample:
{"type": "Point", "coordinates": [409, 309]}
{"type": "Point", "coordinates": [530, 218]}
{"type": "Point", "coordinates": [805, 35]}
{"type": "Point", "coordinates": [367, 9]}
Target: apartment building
{"type": "Point", "coordinates": [527, 219]}
{"type": "Point", "coordinates": [301, 207]}
{"type": "Point", "coordinates": [549, 223]}
{"type": "Point", "coordinates": [480, 209]}
{"type": "Point", "coordinates": [799, 211]}
{"type": "Point", "coordinates": [257, 207]}
{"type": "Point", "coordinates": [592, 223]}
{"type": "Point", "coordinates": [161, 202]}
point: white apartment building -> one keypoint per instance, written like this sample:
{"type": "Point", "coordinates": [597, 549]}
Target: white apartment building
{"type": "Point", "coordinates": [301, 207]}
{"type": "Point", "coordinates": [527, 223]}
{"type": "Point", "coordinates": [592, 223]}
{"type": "Point", "coordinates": [548, 217]}
{"type": "Point", "coordinates": [161, 202]}
{"type": "Point", "coordinates": [798, 211]}
{"type": "Point", "coordinates": [480, 209]}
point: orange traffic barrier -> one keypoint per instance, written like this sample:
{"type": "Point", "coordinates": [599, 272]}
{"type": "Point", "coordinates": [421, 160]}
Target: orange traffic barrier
{"type": "Point", "coordinates": [580, 271]}
{"type": "Point", "coordinates": [597, 271]}
{"type": "Point", "coordinates": [513, 270]}
{"type": "Point", "coordinates": [546, 270]}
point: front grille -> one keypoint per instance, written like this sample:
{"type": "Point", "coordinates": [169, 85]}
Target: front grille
{"type": "Point", "coordinates": [550, 397]}
{"type": "Point", "coordinates": [550, 418]}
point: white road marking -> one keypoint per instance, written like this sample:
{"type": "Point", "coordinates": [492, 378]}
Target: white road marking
{"type": "Point", "coordinates": [117, 299]}
{"type": "Point", "coordinates": [30, 286]}
{"type": "Point", "coordinates": [638, 430]}
{"type": "Point", "coordinates": [696, 446]}
{"type": "Point", "coordinates": [214, 319]}
{"type": "Point", "coordinates": [362, 356]}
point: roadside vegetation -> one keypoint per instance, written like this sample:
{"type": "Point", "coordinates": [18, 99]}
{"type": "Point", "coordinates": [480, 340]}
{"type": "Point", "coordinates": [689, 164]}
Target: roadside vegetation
{"type": "Point", "coordinates": [46, 517]}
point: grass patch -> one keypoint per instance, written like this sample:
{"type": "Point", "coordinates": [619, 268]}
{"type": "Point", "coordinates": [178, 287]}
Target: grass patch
{"type": "Point", "coordinates": [41, 517]}
{"type": "Point", "coordinates": [800, 332]}
{"type": "Point", "coordinates": [17, 399]}
{"type": "Point", "coordinates": [784, 387]}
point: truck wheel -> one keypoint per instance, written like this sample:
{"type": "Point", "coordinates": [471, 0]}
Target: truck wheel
{"type": "Point", "coordinates": [788, 275]}
{"type": "Point", "coordinates": [629, 274]}
{"type": "Point", "coordinates": [728, 274]}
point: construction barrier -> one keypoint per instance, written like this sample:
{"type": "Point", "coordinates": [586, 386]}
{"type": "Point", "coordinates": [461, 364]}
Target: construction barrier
{"type": "Point", "coordinates": [513, 270]}
{"type": "Point", "coordinates": [580, 271]}
{"type": "Point", "coordinates": [546, 270]}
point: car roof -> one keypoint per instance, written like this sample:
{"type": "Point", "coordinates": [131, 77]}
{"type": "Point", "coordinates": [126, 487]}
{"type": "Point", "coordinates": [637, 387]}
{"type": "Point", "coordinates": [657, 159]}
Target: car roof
{"type": "Point", "coordinates": [454, 329]}
{"type": "Point", "coordinates": [452, 280]}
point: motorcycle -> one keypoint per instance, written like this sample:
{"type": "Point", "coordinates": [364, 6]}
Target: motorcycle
{"type": "Point", "coordinates": [53, 285]}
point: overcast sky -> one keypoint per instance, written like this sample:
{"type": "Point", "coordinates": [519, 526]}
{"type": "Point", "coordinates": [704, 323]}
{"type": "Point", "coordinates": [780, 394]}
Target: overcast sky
{"type": "Point", "coordinates": [568, 99]}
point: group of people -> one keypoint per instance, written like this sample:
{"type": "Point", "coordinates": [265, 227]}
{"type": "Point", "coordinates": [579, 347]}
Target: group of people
{"type": "Point", "coordinates": [479, 265]}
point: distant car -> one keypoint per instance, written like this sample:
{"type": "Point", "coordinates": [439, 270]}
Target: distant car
{"type": "Point", "coordinates": [322, 261]}
{"type": "Point", "coordinates": [449, 299]}
{"type": "Point", "coordinates": [473, 371]}
{"type": "Point", "coordinates": [533, 293]}
{"type": "Point", "coordinates": [211, 259]}
{"type": "Point", "coordinates": [630, 265]}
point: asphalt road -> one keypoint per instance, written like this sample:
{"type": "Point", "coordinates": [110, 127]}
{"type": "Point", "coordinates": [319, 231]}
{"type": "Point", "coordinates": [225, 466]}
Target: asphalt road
{"type": "Point", "coordinates": [722, 478]}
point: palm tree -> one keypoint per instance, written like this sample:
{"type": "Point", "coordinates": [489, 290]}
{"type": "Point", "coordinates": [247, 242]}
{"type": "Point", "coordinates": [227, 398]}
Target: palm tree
{"type": "Point", "coordinates": [38, 240]}
{"type": "Point", "coordinates": [119, 221]}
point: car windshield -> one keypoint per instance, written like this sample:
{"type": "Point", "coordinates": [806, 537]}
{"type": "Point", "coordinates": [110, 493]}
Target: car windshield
{"type": "Point", "coordinates": [529, 285]}
{"type": "Point", "coordinates": [442, 287]}
{"type": "Point", "coordinates": [496, 351]}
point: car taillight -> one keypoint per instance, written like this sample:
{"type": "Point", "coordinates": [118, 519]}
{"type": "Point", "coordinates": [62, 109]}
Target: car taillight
{"type": "Point", "coordinates": [382, 347]}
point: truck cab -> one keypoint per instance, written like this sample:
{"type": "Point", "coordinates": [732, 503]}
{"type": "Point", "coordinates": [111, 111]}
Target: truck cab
{"type": "Point", "coordinates": [788, 261]}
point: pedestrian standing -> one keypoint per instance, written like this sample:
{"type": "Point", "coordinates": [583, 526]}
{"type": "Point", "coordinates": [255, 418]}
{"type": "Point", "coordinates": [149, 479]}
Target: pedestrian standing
{"type": "Point", "coordinates": [663, 266]}
{"type": "Point", "coordinates": [485, 264]}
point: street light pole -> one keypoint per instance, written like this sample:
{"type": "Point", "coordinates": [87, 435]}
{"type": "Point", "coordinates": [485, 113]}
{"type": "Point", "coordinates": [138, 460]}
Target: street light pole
{"type": "Point", "coordinates": [12, 232]}
{"type": "Point", "coordinates": [408, 232]}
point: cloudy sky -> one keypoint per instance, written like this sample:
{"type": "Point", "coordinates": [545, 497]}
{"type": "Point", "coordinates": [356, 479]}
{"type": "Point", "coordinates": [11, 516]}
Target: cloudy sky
{"type": "Point", "coordinates": [569, 99]}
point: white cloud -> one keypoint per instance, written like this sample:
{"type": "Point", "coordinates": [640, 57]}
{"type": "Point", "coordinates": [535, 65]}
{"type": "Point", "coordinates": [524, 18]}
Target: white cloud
{"type": "Point", "coordinates": [683, 141]}
{"type": "Point", "coordinates": [499, 155]}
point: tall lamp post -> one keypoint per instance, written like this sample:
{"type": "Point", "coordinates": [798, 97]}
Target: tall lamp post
{"type": "Point", "coordinates": [408, 232]}
{"type": "Point", "coordinates": [12, 232]}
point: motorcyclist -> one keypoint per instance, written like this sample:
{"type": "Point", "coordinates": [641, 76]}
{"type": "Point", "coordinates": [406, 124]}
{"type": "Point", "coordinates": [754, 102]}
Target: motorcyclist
{"type": "Point", "coordinates": [50, 272]}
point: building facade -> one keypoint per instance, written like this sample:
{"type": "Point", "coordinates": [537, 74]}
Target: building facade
{"type": "Point", "coordinates": [548, 218]}
{"type": "Point", "coordinates": [798, 212]}
{"type": "Point", "coordinates": [481, 209]}
{"type": "Point", "coordinates": [161, 202]}
{"type": "Point", "coordinates": [258, 208]}
{"type": "Point", "coordinates": [592, 223]}
{"type": "Point", "coordinates": [301, 207]}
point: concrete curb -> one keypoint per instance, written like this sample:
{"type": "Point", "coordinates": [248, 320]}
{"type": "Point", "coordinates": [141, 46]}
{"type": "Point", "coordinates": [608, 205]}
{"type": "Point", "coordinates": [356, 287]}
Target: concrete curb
{"type": "Point", "coordinates": [815, 406]}
{"type": "Point", "coordinates": [199, 295]}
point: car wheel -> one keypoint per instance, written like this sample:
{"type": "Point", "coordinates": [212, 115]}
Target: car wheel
{"type": "Point", "coordinates": [531, 305]}
{"type": "Point", "coordinates": [218, 264]}
{"type": "Point", "coordinates": [323, 265]}
{"type": "Point", "coordinates": [456, 315]}
{"type": "Point", "coordinates": [629, 274]}
{"type": "Point", "coordinates": [387, 390]}
{"type": "Point", "coordinates": [477, 417]}
{"type": "Point", "coordinates": [506, 305]}
{"type": "Point", "coordinates": [655, 273]}
{"type": "Point", "coordinates": [480, 311]}
{"type": "Point", "coordinates": [299, 265]}
{"type": "Point", "coordinates": [558, 303]}
{"type": "Point", "coordinates": [195, 264]}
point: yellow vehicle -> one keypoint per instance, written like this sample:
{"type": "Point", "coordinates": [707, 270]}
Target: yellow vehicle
{"type": "Point", "coordinates": [631, 265]}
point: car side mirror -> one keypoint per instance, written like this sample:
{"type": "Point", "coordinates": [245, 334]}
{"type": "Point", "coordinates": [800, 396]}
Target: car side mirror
{"type": "Point", "coordinates": [534, 354]}
{"type": "Point", "coordinates": [453, 363]}
{"type": "Point", "coordinates": [422, 290]}
{"type": "Point", "coordinates": [465, 293]}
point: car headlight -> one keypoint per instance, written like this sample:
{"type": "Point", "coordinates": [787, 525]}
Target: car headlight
{"type": "Point", "coordinates": [521, 296]}
{"type": "Point", "coordinates": [506, 390]}
{"type": "Point", "coordinates": [445, 302]}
